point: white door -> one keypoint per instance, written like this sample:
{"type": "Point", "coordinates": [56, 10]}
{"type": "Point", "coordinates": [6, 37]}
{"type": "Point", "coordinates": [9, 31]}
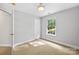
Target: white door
{"type": "Point", "coordinates": [5, 28]}
{"type": "Point", "coordinates": [37, 28]}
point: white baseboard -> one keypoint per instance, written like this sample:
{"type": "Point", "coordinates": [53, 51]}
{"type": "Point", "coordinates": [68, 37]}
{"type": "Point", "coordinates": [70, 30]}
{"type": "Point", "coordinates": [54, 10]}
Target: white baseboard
{"type": "Point", "coordinates": [6, 45]}
{"type": "Point", "coordinates": [73, 46]}
{"type": "Point", "coordinates": [22, 42]}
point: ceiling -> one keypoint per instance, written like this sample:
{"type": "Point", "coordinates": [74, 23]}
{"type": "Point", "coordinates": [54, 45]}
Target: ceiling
{"type": "Point", "coordinates": [31, 8]}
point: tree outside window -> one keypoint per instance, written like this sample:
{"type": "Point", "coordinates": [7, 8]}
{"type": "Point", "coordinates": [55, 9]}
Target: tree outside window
{"type": "Point", "coordinates": [52, 26]}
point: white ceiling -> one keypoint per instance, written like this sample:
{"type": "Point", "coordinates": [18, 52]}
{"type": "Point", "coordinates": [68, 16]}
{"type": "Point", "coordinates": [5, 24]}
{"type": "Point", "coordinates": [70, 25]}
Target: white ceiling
{"type": "Point", "coordinates": [31, 8]}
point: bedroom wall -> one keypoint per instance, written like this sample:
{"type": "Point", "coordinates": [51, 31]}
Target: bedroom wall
{"type": "Point", "coordinates": [67, 27]}
{"type": "Point", "coordinates": [26, 27]}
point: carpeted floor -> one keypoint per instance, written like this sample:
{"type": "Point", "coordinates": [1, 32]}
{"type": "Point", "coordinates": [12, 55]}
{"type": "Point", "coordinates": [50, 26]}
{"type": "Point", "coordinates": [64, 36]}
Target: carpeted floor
{"type": "Point", "coordinates": [38, 47]}
{"type": "Point", "coordinates": [5, 50]}
{"type": "Point", "coordinates": [41, 47]}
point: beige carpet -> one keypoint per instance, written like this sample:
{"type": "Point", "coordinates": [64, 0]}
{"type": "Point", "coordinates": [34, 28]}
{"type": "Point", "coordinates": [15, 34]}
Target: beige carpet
{"type": "Point", "coordinates": [5, 50]}
{"type": "Point", "coordinates": [41, 47]}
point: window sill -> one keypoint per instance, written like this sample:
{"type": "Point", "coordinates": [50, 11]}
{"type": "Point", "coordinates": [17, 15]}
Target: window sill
{"type": "Point", "coordinates": [51, 35]}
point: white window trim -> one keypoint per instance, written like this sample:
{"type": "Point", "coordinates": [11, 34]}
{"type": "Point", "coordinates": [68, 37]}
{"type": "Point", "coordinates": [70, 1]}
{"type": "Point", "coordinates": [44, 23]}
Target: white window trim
{"type": "Point", "coordinates": [50, 34]}
{"type": "Point", "coordinates": [47, 29]}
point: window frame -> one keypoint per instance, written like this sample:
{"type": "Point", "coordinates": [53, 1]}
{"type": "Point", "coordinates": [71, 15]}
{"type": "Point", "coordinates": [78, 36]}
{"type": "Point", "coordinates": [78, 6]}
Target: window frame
{"type": "Point", "coordinates": [47, 26]}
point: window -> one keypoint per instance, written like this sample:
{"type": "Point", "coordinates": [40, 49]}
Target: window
{"type": "Point", "coordinates": [52, 26]}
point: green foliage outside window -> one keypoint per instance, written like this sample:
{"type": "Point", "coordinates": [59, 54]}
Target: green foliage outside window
{"type": "Point", "coordinates": [52, 26]}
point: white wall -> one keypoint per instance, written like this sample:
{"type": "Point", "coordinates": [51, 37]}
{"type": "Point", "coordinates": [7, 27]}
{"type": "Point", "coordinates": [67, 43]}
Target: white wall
{"type": "Point", "coordinates": [5, 29]}
{"type": "Point", "coordinates": [67, 27]}
{"type": "Point", "coordinates": [37, 28]}
{"type": "Point", "coordinates": [25, 29]}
